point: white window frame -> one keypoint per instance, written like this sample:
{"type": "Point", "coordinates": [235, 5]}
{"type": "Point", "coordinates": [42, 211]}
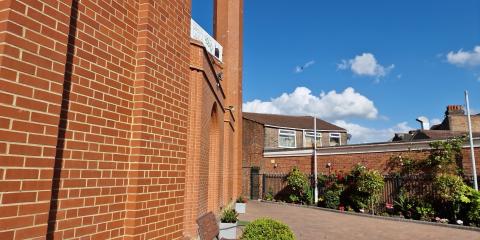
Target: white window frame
{"type": "Point", "coordinates": [335, 135]}
{"type": "Point", "coordinates": [290, 133]}
{"type": "Point", "coordinates": [311, 133]}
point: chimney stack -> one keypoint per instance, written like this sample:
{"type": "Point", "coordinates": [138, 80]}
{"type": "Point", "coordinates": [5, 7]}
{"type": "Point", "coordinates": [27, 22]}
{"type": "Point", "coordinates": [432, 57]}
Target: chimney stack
{"type": "Point", "coordinates": [454, 110]}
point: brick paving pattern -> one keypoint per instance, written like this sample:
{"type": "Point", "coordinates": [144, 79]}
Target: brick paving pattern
{"type": "Point", "coordinates": [316, 224]}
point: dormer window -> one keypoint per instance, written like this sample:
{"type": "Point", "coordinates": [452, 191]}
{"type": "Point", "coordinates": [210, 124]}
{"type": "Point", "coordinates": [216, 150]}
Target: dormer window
{"type": "Point", "coordinates": [286, 138]}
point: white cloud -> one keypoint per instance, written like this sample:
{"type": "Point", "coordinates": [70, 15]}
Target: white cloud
{"type": "Point", "coordinates": [361, 134]}
{"type": "Point", "coordinates": [299, 69]}
{"type": "Point", "coordinates": [331, 105]}
{"type": "Point", "coordinates": [465, 58]}
{"type": "Point", "coordinates": [365, 65]}
{"type": "Point", "coordinates": [435, 121]}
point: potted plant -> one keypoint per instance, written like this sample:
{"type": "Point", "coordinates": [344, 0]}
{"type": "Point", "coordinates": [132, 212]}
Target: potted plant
{"type": "Point", "coordinates": [241, 204]}
{"type": "Point", "coordinates": [228, 224]}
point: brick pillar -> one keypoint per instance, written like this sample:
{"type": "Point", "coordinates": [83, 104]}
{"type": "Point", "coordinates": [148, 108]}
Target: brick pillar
{"type": "Point", "coordinates": [193, 206]}
{"type": "Point", "coordinates": [228, 27]}
{"type": "Point", "coordinates": [155, 200]}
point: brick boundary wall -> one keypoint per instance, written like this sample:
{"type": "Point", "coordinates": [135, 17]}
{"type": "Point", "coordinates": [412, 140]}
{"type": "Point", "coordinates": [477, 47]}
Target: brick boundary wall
{"type": "Point", "coordinates": [343, 158]}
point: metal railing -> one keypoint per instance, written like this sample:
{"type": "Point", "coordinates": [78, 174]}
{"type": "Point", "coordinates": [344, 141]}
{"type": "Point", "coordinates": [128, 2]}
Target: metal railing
{"type": "Point", "coordinates": [275, 184]}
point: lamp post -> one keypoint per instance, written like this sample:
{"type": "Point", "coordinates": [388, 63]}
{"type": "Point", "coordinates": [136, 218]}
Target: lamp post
{"type": "Point", "coordinates": [472, 153]}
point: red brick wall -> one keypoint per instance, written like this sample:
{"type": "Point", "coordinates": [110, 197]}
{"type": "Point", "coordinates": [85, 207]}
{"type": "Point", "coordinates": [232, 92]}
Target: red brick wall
{"type": "Point", "coordinates": [32, 63]}
{"type": "Point", "coordinates": [209, 181]}
{"type": "Point", "coordinates": [345, 162]}
{"type": "Point", "coordinates": [122, 159]}
{"type": "Point", "coordinates": [253, 144]}
{"type": "Point", "coordinates": [156, 183]}
{"type": "Point", "coordinates": [94, 167]}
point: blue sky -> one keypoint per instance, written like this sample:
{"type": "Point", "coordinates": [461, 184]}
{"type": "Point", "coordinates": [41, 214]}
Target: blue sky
{"type": "Point", "coordinates": [370, 66]}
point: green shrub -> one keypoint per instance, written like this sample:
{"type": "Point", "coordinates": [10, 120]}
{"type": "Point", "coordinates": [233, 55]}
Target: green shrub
{"type": "Point", "coordinates": [267, 229]}
{"type": "Point", "coordinates": [322, 180]}
{"type": "Point", "coordinates": [451, 193]}
{"type": "Point", "coordinates": [424, 212]}
{"type": "Point", "coordinates": [331, 198]}
{"type": "Point", "coordinates": [449, 188]}
{"type": "Point", "coordinates": [229, 215]}
{"type": "Point", "coordinates": [404, 204]}
{"type": "Point", "coordinates": [371, 184]}
{"type": "Point", "coordinates": [356, 199]}
{"type": "Point", "coordinates": [269, 196]}
{"type": "Point", "coordinates": [449, 198]}
{"type": "Point", "coordinates": [297, 180]}
{"type": "Point", "coordinates": [294, 198]}
{"type": "Point", "coordinates": [364, 188]}
{"type": "Point", "coordinates": [298, 184]}
{"type": "Point", "coordinates": [472, 208]}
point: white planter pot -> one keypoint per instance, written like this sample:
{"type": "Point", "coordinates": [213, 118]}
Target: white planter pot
{"type": "Point", "coordinates": [240, 207]}
{"type": "Point", "coordinates": [228, 231]}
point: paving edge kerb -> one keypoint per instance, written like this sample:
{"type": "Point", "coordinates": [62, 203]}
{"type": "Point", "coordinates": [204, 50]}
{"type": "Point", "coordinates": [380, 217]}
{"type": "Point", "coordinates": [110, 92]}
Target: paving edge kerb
{"type": "Point", "coordinates": [476, 229]}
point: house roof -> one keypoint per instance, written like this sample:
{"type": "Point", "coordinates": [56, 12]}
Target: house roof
{"type": "Point", "coordinates": [439, 134]}
{"type": "Point", "coordinates": [288, 121]}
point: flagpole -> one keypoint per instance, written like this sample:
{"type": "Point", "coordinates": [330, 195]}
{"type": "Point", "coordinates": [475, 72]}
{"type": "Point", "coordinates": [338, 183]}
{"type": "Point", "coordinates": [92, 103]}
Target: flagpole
{"type": "Point", "coordinates": [472, 152]}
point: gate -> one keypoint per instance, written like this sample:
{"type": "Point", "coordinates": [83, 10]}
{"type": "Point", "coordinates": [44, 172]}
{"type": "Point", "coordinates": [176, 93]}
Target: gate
{"type": "Point", "coordinates": [254, 183]}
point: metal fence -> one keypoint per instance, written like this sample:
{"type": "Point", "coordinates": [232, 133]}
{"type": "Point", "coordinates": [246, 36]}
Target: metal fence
{"type": "Point", "coordinates": [275, 184]}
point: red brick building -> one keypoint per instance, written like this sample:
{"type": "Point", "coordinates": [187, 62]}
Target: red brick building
{"type": "Point", "coordinates": [260, 158]}
{"type": "Point", "coordinates": [282, 133]}
{"type": "Point", "coordinates": [114, 122]}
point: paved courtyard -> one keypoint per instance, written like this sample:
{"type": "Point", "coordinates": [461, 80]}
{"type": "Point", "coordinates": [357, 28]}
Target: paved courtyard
{"type": "Point", "coordinates": [316, 224]}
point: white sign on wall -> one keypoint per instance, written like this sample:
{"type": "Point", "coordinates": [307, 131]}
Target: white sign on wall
{"type": "Point", "coordinates": [212, 46]}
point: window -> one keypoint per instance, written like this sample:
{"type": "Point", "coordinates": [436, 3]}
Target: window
{"type": "Point", "coordinates": [334, 139]}
{"type": "Point", "coordinates": [286, 138]}
{"type": "Point", "coordinates": [308, 139]}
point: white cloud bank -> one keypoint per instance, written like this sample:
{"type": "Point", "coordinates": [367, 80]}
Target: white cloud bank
{"type": "Point", "coordinates": [331, 105]}
{"type": "Point", "coordinates": [361, 134]}
{"type": "Point", "coordinates": [465, 58]}
{"type": "Point", "coordinates": [365, 65]}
